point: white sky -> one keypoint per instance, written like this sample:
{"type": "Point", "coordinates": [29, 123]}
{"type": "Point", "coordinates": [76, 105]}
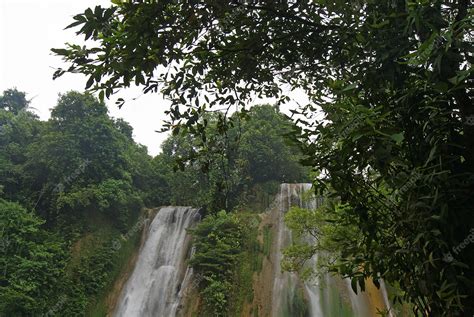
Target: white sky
{"type": "Point", "coordinates": [29, 29]}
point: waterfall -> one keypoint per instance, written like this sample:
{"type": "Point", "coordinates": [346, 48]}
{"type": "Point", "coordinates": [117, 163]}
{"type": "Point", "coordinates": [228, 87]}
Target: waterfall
{"type": "Point", "coordinates": [326, 295]}
{"type": "Point", "coordinates": [359, 302]}
{"type": "Point", "coordinates": [313, 289]}
{"type": "Point", "coordinates": [158, 282]}
{"type": "Point", "coordinates": [161, 277]}
{"type": "Point", "coordinates": [285, 284]}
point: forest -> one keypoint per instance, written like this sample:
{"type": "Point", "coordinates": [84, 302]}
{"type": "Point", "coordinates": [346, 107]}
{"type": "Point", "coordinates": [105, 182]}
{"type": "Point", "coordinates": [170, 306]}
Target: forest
{"type": "Point", "coordinates": [72, 185]}
{"type": "Point", "coordinates": [367, 189]}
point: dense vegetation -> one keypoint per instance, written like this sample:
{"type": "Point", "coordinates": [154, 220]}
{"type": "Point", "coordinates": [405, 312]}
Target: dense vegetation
{"type": "Point", "coordinates": [218, 242]}
{"type": "Point", "coordinates": [394, 141]}
{"type": "Point", "coordinates": [72, 189]}
{"type": "Point", "coordinates": [224, 170]}
{"type": "Point", "coordinates": [69, 187]}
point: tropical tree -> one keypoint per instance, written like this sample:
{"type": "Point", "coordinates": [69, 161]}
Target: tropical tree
{"type": "Point", "coordinates": [264, 146]}
{"type": "Point", "coordinates": [14, 101]}
{"type": "Point", "coordinates": [69, 187]}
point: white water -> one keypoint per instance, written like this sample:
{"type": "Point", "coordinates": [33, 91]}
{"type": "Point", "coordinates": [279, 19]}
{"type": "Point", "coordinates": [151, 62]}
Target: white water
{"type": "Point", "coordinates": [383, 289]}
{"type": "Point", "coordinates": [285, 284]}
{"type": "Point", "coordinates": [160, 277]}
{"type": "Point", "coordinates": [158, 284]}
{"type": "Point", "coordinates": [359, 301]}
{"type": "Point", "coordinates": [313, 289]}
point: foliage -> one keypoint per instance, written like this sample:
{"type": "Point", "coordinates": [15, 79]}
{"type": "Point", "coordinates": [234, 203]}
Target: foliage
{"type": "Point", "coordinates": [392, 78]}
{"type": "Point", "coordinates": [84, 180]}
{"type": "Point", "coordinates": [31, 259]}
{"type": "Point", "coordinates": [224, 169]}
{"type": "Point", "coordinates": [218, 243]}
{"type": "Point", "coordinates": [250, 261]}
{"type": "Point", "coordinates": [215, 295]}
{"type": "Point", "coordinates": [227, 253]}
{"type": "Point", "coordinates": [324, 231]}
{"type": "Point", "coordinates": [263, 145]}
{"type": "Point", "coordinates": [81, 162]}
{"type": "Point", "coordinates": [217, 240]}
{"type": "Point", "coordinates": [18, 128]}
{"type": "Point", "coordinates": [75, 178]}
{"type": "Point", "coordinates": [14, 101]}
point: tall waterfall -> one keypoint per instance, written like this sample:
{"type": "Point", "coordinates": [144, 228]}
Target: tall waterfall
{"type": "Point", "coordinates": [285, 284]}
{"type": "Point", "coordinates": [156, 286]}
{"type": "Point", "coordinates": [326, 295]}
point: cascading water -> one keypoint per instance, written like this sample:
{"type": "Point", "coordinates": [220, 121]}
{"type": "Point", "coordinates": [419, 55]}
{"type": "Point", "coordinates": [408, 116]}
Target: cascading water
{"type": "Point", "coordinates": [285, 285]}
{"type": "Point", "coordinates": [158, 284]}
{"type": "Point", "coordinates": [326, 295]}
{"type": "Point", "coordinates": [313, 289]}
{"type": "Point", "coordinates": [160, 277]}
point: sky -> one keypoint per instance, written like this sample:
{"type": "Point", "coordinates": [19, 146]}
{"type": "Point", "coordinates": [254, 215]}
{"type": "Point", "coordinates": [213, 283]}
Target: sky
{"type": "Point", "coordinates": [30, 28]}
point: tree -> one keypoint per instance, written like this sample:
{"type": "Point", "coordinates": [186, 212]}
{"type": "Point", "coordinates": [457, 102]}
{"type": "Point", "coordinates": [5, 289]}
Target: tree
{"type": "Point", "coordinates": [270, 156]}
{"type": "Point", "coordinates": [14, 101]}
{"type": "Point", "coordinates": [69, 188]}
{"type": "Point", "coordinates": [393, 78]}
{"type": "Point", "coordinates": [215, 170]}
{"type": "Point", "coordinates": [18, 128]}
{"type": "Point", "coordinates": [31, 259]}
{"type": "Point", "coordinates": [83, 163]}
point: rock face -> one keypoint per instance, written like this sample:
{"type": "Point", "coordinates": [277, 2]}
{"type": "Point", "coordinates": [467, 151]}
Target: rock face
{"type": "Point", "coordinates": [158, 282]}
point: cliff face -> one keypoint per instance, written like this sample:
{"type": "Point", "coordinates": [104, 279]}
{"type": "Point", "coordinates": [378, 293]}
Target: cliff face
{"type": "Point", "coordinates": [268, 284]}
{"type": "Point", "coordinates": [262, 281]}
{"type": "Point", "coordinates": [278, 293]}
{"type": "Point", "coordinates": [112, 297]}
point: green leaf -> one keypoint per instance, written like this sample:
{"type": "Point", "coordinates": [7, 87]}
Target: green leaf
{"type": "Point", "coordinates": [60, 51]}
{"type": "Point", "coordinates": [398, 137]}
{"type": "Point", "coordinates": [354, 284]}
{"type": "Point", "coordinates": [349, 87]}
{"type": "Point", "coordinates": [90, 81]}
{"type": "Point", "coordinates": [74, 24]}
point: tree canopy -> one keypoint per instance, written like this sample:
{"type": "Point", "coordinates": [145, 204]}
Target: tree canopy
{"type": "Point", "coordinates": [224, 168]}
{"type": "Point", "coordinates": [394, 82]}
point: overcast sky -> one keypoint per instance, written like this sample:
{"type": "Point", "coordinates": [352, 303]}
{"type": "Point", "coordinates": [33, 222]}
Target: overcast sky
{"type": "Point", "coordinates": [29, 29]}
